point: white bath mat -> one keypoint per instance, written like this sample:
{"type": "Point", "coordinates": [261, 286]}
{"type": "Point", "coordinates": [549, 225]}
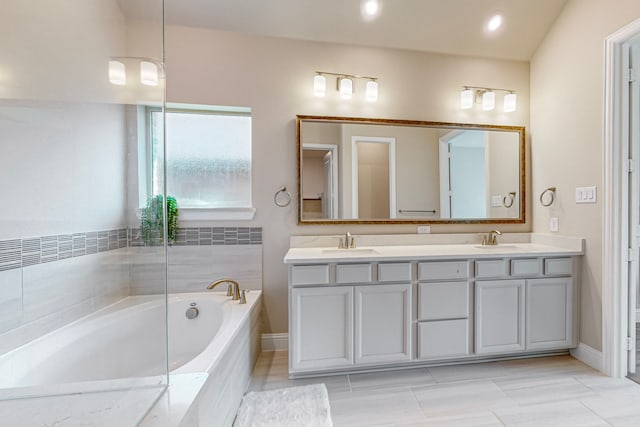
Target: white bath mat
{"type": "Point", "coordinates": [304, 406]}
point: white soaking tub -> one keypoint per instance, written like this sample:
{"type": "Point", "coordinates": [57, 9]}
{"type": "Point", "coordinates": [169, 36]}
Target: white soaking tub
{"type": "Point", "coordinates": [123, 346]}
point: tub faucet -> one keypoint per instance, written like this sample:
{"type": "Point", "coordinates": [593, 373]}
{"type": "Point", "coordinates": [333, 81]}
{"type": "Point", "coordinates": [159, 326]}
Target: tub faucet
{"type": "Point", "coordinates": [348, 242]}
{"type": "Point", "coordinates": [232, 291]}
{"type": "Point", "coordinates": [491, 238]}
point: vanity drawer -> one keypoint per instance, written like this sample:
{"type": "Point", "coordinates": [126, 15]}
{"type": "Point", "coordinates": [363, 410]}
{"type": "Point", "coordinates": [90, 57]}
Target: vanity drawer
{"type": "Point", "coordinates": [558, 266]}
{"type": "Point", "coordinates": [444, 300]}
{"type": "Point", "coordinates": [309, 275]}
{"type": "Point", "coordinates": [443, 338]}
{"type": "Point", "coordinates": [492, 268]}
{"type": "Point", "coordinates": [394, 272]}
{"type": "Point", "coordinates": [526, 267]}
{"type": "Point", "coordinates": [353, 273]}
{"type": "Point", "coordinates": [443, 270]}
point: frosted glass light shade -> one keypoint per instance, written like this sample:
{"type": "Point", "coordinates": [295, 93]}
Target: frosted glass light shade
{"type": "Point", "coordinates": [488, 101]}
{"type": "Point", "coordinates": [117, 73]}
{"type": "Point", "coordinates": [346, 87]}
{"type": "Point", "coordinates": [148, 73]}
{"type": "Point", "coordinates": [319, 85]}
{"type": "Point", "coordinates": [466, 99]}
{"type": "Point", "coordinates": [510, 101]}
{"type": "Point", "coordinates": [371, 92]}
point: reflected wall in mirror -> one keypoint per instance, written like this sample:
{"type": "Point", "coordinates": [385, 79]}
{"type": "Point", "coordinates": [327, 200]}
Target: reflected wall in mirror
{"type": "Point", "coordinates": [354, 170]}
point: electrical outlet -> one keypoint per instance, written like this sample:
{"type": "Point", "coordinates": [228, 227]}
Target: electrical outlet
{"type": "Point", "coordinates": [424, 229]}
{"type": "Point", "coordinates": [553, 224]}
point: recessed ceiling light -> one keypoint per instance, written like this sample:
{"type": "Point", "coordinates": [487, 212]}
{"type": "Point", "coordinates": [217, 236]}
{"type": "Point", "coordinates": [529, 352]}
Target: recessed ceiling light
{"type": "Point", "coordinates": [494, 22]}
{"type": "Point", "coordinates": [370, 8]}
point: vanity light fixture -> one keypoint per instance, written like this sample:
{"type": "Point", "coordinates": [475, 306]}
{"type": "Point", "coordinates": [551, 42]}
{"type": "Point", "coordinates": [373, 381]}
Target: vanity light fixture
{"type": "Point", "coordinates": [371, 93]}
{"type": "Point", "coordinates": [319, 85]}
{"type": "Point", "coordinates": [345, 85]}
{"type": "Point", "coordinates": [149, 70]}
{"type": "Point", "coordinates": [117, 73]}
{"type": "Point", "coordinates": [487, 98]}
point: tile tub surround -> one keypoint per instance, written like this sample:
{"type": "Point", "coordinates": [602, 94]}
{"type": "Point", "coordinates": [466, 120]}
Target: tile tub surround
{"type": "Point", "coordinates": [553, 391]}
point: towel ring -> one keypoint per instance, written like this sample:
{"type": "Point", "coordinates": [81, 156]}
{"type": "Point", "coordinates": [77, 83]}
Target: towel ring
{"type": "Point", "coordinates": [507, 201]}
{"type": "Point", "coordinates": [552, 196]}
{"type": "Point", "coordinates": [285, 200]}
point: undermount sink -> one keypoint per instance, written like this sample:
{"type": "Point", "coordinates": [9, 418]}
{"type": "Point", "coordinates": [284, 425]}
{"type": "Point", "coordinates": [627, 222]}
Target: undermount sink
{"type": "Point", "coordinates": [359, 251]}
{"type": "Point", "coordinates": [495, 247]}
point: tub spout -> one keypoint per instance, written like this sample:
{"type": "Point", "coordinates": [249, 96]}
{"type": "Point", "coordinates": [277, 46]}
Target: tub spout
{"type": "Point", "coordinates": [233, 290]}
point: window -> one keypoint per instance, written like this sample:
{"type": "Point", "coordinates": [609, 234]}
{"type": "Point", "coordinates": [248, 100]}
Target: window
{"type": "Point", "coordinates": [208, 156]}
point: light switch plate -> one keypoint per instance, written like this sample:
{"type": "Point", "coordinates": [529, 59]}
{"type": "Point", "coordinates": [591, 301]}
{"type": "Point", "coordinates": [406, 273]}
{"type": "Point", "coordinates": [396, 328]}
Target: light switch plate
{"type": "Point", "coordinates": [586, 194]}
{"type": "Point", "coordinates": [496, 201]}
{"type": "Point", "coordinates": [554, 224]}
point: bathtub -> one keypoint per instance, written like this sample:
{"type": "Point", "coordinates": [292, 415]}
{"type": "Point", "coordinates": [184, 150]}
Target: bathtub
{"type": "Point", "coordinates": [123, 346]}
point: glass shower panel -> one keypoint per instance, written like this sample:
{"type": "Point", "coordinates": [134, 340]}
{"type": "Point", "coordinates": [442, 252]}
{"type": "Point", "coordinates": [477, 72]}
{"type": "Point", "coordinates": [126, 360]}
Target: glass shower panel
{"type": "Point", "coordinates": [83, 337]}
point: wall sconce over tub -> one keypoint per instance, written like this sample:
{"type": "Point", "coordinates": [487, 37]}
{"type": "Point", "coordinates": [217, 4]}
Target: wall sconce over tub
{"type": "Point", "coordinates": [487, 98]}
{"type": "Point", "coordinates": [345, 85]}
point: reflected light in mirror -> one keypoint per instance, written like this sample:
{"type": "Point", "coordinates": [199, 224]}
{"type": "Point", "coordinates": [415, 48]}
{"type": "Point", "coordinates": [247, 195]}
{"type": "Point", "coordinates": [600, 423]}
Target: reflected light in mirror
{"type": "Point", "coordinates": [488, 101]}
{"type": "Point", "coordinates": [372, 91]}
{"type": "Point", "coordinates": [510, 101]}
{"type": "Point", "coordinates": [117, 74]}
{"type": "Point", "coordinates": [148, 73]}
{"type": "Point", "coordinates": [319, 85]}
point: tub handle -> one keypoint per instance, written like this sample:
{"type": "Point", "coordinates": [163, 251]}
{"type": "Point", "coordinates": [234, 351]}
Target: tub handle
{"type": "Point", "coordinates": [243, 297]}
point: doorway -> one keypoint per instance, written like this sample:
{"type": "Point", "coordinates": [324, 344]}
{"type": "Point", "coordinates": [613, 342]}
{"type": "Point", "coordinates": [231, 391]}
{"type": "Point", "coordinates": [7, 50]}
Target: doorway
{"type": "Point", "coordinates": [373, 171]}
{"type": "Point", "coordinates": [320, 181]}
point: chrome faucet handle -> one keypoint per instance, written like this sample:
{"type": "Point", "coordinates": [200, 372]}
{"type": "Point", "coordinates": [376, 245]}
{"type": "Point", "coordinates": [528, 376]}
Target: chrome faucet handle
{"type": "Point", "coordinates": [243, 298]}
{"type": "Point", "coordinates": [230, 289]}
{"type": "Point", "coordinates": [353, 242]}
{"type": "Point", "coordinates": [341, 244]}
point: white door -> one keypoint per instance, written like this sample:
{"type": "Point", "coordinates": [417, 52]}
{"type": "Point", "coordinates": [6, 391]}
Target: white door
{"type": "Point", "coordinates": [634, 201]}
{"type": "Point", "coordinates": [500, 321]}
{"type": "Point", "coordinates": [383, 323]}
{"type": "Point", "coordinates": [322, 328]}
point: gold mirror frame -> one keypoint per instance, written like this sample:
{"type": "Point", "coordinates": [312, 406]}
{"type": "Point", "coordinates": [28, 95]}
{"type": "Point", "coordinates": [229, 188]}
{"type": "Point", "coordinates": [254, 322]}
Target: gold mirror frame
{"type": "Point", "coordinates": [417, 123]}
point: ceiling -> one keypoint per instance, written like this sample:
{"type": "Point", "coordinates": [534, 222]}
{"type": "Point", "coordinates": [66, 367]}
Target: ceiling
{"type": "Point", "coordinates": [445, 26]}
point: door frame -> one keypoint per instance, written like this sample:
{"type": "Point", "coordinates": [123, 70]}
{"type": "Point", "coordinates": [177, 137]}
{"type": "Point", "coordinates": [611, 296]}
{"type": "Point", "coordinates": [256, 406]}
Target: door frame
{"type": "Point", "coordinates": [615, 225]}
{"type": "Point", "coordinates": [334, 171]}
{"type": "Point", "coordinates": [391, 142]}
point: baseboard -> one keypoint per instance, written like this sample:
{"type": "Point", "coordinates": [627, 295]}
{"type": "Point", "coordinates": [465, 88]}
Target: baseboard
{"type": "Point", "coordinates": [589, 356]}
{"type": "Point", "coordinates": [275, 342]}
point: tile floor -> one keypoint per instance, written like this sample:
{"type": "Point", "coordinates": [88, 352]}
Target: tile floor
{"type": "Point", "coordinates": [550, 391]}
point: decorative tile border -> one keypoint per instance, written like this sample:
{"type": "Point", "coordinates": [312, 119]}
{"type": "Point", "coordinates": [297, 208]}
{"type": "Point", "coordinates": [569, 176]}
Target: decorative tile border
{"type": "Point", "coordinates": [17, 253]}
{"type": "Point", "coordinates": [208, 236]}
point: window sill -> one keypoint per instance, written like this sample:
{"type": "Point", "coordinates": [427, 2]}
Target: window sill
{"type": "Point", "coordinates": [219, 214]}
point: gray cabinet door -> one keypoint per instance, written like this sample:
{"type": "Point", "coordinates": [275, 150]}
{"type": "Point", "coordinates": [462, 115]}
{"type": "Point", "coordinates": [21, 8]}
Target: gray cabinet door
{"type": "Point", "coordinates": [549, 313]}
{"type": "Point", "coordinates": [500, 320]}
{"type": "Point", "coordinates": [382, 323]}
{"type": "Point", "coordinates": [321, 328]}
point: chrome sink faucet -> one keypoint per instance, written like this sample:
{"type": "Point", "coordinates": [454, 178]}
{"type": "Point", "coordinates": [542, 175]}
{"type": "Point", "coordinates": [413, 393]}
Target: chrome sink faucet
{"type": "Point", "coordinates": [348, 242]}
{"type": "Point", "coordinates": [491, 238]}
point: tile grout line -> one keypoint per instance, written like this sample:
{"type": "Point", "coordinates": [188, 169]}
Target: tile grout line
{"type": "Point", "coordinates": [593, 412]}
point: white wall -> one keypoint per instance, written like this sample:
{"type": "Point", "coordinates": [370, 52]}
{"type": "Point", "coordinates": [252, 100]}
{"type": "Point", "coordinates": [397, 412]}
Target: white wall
{"type": "Point", "coordinates": [274, 78]}
{"type": "Point", "coordinates": [567, 86]}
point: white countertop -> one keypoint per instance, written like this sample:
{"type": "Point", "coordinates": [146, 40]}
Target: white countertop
{"type": "Point", "coordinates": [537, 246]}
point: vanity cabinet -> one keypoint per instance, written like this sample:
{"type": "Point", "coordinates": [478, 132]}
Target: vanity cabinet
{"type": "Point", "coordinates": [354, 315]}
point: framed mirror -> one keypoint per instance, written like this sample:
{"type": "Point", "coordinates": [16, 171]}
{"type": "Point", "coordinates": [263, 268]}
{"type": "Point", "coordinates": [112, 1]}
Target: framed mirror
{"type": "Point", "coordinates": [370, 171]}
